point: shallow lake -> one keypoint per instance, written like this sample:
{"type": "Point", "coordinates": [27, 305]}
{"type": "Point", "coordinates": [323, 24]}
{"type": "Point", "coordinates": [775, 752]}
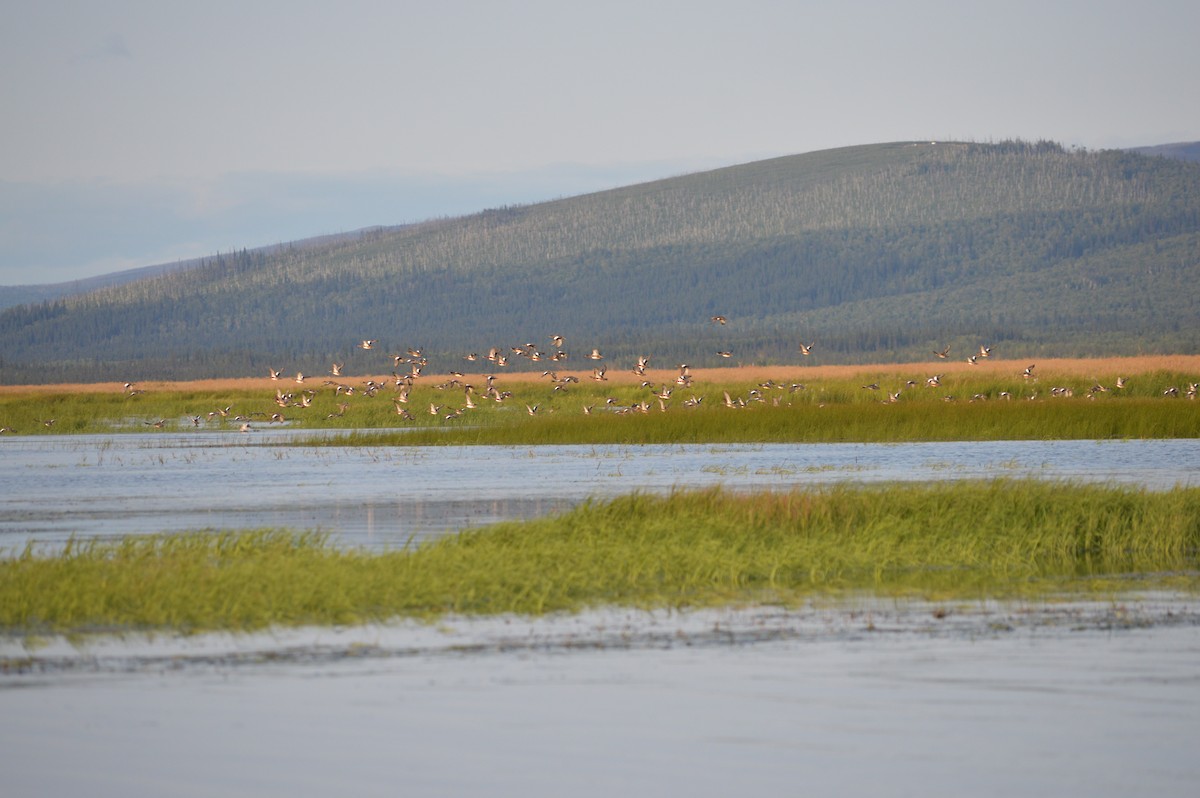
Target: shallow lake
{"type": "Point", "coordinates": [866, 698]}
{"type": "Point", "coordinates": [851, 698]}
{"type": "Point", "coordinates": [52, 487]}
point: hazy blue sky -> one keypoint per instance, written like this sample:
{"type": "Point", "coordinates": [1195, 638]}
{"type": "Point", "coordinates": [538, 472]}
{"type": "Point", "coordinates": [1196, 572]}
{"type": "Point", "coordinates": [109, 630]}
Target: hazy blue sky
{"type": "Point", "coordinates": [141, 132]}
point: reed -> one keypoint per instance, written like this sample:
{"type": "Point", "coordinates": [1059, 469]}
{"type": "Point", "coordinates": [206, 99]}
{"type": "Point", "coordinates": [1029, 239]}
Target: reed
{"type": "Point", "coordinates": [690, 548]}
{"type": "Point", "coordinates": [1131, 418]}
{"type": "Point", "coordinates": [964, 406]}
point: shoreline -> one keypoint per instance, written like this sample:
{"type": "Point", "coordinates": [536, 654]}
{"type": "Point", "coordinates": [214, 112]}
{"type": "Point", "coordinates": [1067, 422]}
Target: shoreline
{"type": "Point", "coordinates": [829, 618]}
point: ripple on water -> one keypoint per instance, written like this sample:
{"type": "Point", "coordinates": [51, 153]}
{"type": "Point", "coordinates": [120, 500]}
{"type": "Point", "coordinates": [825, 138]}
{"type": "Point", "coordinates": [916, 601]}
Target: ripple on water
{"type": "Point", "coordinates": [376, 496]}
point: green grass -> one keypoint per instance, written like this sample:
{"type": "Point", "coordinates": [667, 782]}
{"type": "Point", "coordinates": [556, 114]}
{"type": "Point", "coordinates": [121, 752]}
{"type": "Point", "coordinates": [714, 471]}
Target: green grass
{"type": "Point", "coordinates": [826, 410]}
{"type": "Point", "coordinates": [694, 548]}
{"type": "Point", "coordinates": [814, 424]}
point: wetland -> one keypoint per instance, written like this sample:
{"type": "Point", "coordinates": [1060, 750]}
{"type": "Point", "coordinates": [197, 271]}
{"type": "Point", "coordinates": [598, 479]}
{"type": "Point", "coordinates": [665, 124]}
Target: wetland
{"type": "Point", "coordinates": [983, 601]}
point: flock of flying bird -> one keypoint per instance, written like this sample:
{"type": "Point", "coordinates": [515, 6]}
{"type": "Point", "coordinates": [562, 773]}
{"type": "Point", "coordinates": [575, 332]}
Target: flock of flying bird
{"type": "Point", "coordinates": [414, 361]}
{"type": "Point", "coordinates": [408, 367]}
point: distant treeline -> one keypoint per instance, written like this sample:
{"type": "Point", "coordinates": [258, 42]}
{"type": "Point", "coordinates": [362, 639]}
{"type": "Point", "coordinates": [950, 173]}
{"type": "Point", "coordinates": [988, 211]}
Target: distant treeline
{"type": "Point", "coordinates": [877, 252]}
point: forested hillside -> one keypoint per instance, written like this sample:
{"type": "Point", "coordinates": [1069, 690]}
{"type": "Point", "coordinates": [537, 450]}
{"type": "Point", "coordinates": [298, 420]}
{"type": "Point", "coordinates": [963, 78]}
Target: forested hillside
{"type": "Point", "coordinates": [874, 253]}
{"type": "Point", "coordinates": [37, 293]}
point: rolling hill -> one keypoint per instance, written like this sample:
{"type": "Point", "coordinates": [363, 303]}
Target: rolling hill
{"type": "Point", "coordinates": [13, 295]}
{"type": "Point", "coordinates": [876, 252]}
{"type": "Point", "coordinates": [1185, 150]}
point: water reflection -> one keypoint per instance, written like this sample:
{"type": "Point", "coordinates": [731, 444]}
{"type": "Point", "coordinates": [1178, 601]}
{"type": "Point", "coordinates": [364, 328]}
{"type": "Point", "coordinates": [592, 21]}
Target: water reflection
{"type": "Point", "coordinates": [845, 698]}
{"type": "Point", "coordinates": [52, 487]}
{"type": "Point", "coordinates": [873, 698]}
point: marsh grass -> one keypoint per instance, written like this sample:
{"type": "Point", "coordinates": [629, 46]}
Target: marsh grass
{"type": "Point", "coordinates": [965, 406]}
{"type": "Point", "coordinates": [690, 548]}
{"type": "Point", "coordinates": [1128, 418]}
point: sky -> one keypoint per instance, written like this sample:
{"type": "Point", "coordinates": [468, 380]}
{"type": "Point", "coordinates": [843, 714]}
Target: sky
{"type": "Point", "coordinates": [135, 133]}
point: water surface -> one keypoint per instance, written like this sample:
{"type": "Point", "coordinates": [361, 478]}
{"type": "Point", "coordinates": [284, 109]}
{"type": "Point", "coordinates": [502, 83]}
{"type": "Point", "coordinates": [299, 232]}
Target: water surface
{"type": "Point", "coordinates": [52, 487]}
{"type": "Point", "coordinates": [873, 698]}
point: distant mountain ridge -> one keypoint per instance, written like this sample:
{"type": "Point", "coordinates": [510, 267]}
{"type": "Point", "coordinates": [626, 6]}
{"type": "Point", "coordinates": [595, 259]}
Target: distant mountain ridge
{"type": "Point", "coordinates": [876, 252]}
{"type": "Point", "coordinates": [1185, 151]}
{"type": "Point", "coordinates": [12, 295]}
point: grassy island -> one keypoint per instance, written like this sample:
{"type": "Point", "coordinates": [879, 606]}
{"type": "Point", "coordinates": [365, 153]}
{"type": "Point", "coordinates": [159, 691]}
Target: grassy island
{"type": "Point", "coordinates": [957, 541]}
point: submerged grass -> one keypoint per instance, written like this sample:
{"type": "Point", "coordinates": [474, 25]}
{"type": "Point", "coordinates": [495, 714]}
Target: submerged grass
{"type": "Point", "coordinates": [692, 548]}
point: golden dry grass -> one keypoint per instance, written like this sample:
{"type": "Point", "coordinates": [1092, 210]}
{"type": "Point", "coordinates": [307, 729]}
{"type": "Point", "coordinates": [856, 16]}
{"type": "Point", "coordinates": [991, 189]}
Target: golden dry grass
{"type": "Point", "coordinates": [620, 374]}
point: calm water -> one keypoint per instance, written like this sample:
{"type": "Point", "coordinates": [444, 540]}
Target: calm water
{"type": "Point", "coordinates": [110, 485]}
{"type": "Point", "coordinates": [874, 699]}
{"type": "Point", "coordinates": [857, 698]}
